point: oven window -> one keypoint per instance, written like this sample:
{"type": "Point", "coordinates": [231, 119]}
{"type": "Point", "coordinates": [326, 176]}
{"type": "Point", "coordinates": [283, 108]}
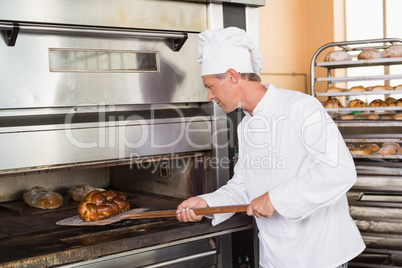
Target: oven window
{"type": "Point", "coordinates": [95, 61]}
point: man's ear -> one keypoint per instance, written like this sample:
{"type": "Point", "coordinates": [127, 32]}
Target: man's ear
{"type": "Point", "coordinates": [232, 75]}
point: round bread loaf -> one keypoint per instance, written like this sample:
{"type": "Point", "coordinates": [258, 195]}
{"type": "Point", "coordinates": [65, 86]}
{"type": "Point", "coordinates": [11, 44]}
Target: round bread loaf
{"type": "Point", "coordinates": [397, 117]}
{"type": "Point", "coordinates": [378, 103]}
{"type": "Point", "coordinates": [372, 117]}
{"type": "Point", "coordinates": [372, 146]}
{"type": "Point", "coordinates": [379, 88]}
{"type": "Point", "coordinates": [388, 150]}
{"type": "Point", "coordinates": [386, 117]}
{"type": "Point", "coordinates": [356, 103]}
{"type": "Point", "coordinates": [389, 100]}
{"type": "Point", "coordinates": [78, 192]}
{"type": "Point", "coordinates": [393, 51]}
{"type": "Point", "coordinates": [99, 205]}
{"type": "Point", "coordinates": [337, 56]}
{"type": "Point", "coordinates": [333, 103]}
{"type": "Point", "coordinates": [347, 117]}
{"type": "Point", "coordinates": [360, 151]}
{"type": "Point", "coordinates": [397, 103]}
{"type": "Point", "coordinates": [357, 89]}
{"type": "Point", "coordinates": [369, 54]}
{"type": "Point", "coordinates": [40, 197]}
{"type": "Point", "coordinates": [392, 144]}
{"type": "Point", "coordinates": [333, 89]}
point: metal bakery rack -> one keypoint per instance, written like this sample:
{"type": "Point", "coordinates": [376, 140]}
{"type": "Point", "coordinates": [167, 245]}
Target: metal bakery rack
{"type": "Point", "coordinates": [375, 201]}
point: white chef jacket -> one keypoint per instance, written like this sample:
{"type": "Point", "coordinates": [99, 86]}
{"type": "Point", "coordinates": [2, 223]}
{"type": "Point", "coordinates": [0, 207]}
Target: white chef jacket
{"type": "Point", "coordinates": [292, 149]}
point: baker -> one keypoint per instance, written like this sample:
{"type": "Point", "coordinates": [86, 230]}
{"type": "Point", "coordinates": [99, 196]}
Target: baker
{"type": "Point", "coordinates": [300, 202]}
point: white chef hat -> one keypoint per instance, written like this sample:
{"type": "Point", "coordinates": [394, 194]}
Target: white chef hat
{"type": "Point", "coordinates": [225, 48]}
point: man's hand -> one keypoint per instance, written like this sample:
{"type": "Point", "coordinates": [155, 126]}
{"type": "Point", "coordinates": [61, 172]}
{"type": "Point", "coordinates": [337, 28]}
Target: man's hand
{"type": "Point", "coordinates": [184, 211]}
{"type": "Point", "coordinates": [261, 206]}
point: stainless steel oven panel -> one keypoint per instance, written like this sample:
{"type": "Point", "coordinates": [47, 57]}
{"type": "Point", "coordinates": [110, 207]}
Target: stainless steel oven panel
{"type": "Point", "coordinates": [140, 14]}
{"type": "Point", "coordinates": [27, 81]}
{"type": "Point", "coordinates": [55, 147]}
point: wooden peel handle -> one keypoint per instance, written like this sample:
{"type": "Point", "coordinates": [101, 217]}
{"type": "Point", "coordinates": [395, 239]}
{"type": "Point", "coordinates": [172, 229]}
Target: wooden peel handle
{"type": "Point", "coordinates": [222, 209]}
{"type": "Point", "coordinates": [197, 211]}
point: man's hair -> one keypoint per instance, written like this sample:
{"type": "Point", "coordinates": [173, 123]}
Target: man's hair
{"type": "Point", "coordinates": [247, 76]}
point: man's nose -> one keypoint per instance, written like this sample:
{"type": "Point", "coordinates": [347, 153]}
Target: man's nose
{"type": "Point", "coordinates": [210, 96]}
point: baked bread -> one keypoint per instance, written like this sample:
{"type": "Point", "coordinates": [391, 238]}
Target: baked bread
{"type": "Point", "coordinates": [387, 150]}
{"type": "Point", "coordinates": [386, 117]}
{"type": "Point", "coordinates": [333, 103]}
{"type": "Point", "coordinates": [350, 146]}
{"type": "Point", "coordinates": [372, 117]}
{"type": "Point", "coordinates": [40, 197]}
{"type": "Point", "coordinates": [397, 103]}
{"type": "Point", "coordinates": [389, 100]}
{"type": "Point", "coordinates": [379, 88]}
{"type": "Point", "coordinates": [356, 103]}
{"type": "Point", "coordinates": [98, 205]}
{"type": "Point", "coordinates": [372, 146]}
{"type": "Point", "coordinates": [398, 87]}
{"type": "Point", "coordinates": [378, 103]}
{"type": "Point", "coordinates": [333, 89]}
{"type": "Point", "coordinates": [397, 117]}
{"type": "Point", "coordinates": [360, 151]}
{"type": "Point", "coordinates": [369, 54]}
{"type": "Point", "coordinates": [78, 192]}
{"type": "Point", "coordinates": [357, 89]}
{"type": "Point", "coordinates": [393, 51]}
{"type": "Point", "coordinates": [393, 144]}
{"type": "Point", "coordinates": [337, 56]}
{"type": "Point", "coordinates": [347, 116]}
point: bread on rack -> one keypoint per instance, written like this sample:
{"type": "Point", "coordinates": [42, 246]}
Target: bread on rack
{"type": "Point", "coordinates": [99, 205]}
{"type": "Point", "coordinates": [40, 197]}
{"type": "Point", "coordinates": [357, 89]}
{"type": "Point", "coordinates": [347, 117]}
{"type": "Point", "coordinates": [78, 192]}
{"type": "Point", "coordinates": [398, 87]}
{"type": "Point", "coordinates": [397, 117]}
{"type": "Point", "coordinates": [379, 88]}
{"type": "Point", "coordinates": [369, 54]}
{"type": "Point", "coordinates": [372, 146]}
{"type": "Point", "coordinates": [386, 117]}
{"type": "Point", "coordinates": [337, 56]}
{"type": "Point", "coordinates": [333, 103]}
{"type": "Point", "coordinates": [389, 148]}
{"type": "Point", "coordinates": [393, 51]}
{"type": "Point", "coordinates": [333, 89]}
{"type": "Point", "coordinates": [378, 103]}
{"type": "Point", "coordinates": [360, 151]}
{"type": "Point", "coordinates": [397, 103]}
{"type": "Point", "coordinates": [389, 100]}
{"type": "Point", "coordinates": [356, 103]}
{"type": "Point", "coordinates": [372, 117]}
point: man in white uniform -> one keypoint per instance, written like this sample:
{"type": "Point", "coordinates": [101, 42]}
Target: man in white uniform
{"type": "Point", "coordinates": [294, 168]}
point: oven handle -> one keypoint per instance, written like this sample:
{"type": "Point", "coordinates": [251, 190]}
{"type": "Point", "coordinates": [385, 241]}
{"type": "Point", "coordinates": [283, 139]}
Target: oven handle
{"type": "Point", "coordinates": [183, 259]}
{"type": "Point", "coordinates": [177, 39]}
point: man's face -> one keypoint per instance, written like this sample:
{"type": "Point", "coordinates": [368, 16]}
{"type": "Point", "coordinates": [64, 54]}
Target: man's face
{"type": "Point", "coordinates": [222, 92]}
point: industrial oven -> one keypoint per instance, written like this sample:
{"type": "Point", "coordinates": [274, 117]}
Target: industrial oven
{"type": "Point", "coordinates": [375, 199]}
{"type": "Point", "coordinates": [108, 93]}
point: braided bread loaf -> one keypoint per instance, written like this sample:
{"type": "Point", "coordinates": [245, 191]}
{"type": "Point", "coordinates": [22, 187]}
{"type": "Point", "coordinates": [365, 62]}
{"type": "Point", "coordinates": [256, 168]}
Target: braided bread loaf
{"type": "Point", "coordinates": [99, 205]}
